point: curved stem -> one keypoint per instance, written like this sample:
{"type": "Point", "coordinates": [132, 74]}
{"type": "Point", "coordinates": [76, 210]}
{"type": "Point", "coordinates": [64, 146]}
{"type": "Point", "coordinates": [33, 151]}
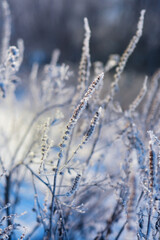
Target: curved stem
{"type": "Point", "coordinates": [30, 127]}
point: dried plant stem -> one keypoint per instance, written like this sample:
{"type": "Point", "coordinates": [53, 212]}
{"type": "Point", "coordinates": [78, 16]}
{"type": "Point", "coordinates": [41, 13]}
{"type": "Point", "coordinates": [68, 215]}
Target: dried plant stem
{"type": "Point", "coordinates": [72, 122]}
{"type": "Point", "coordinates": [153, 114]}
{"type": "Point", "coordinates": [149, 223]}
{"type": "Point", "coordinates": [121, 230]}
{"type": "Point", "coordinates": [84, 67]}
{"type": "Point", "coordinates": [76, 115]}
{"type": "Point", "coordinates": [124, 58]}
{"type": "Point", "coordinates": [35, 118]}
{"type": "Point", "coordinates": [86, 137]}
{"type": "Point", "coordinates": [34, 174]}
{"type": "Point", "coordinates": [52, 204]}
{"type": "Point", "coordinates": [114, 218]}
{"type": "Point", "coordinates": [131, 207]}
{"type": "Point", "coordinates": [7, 199]}
{"type": "Point", "coordinates": [140, 96]}
{"type": "Point", "coordinates": [6, 30]}
{"type": "Point", "coordinates": [151, 94]}
{"type": "Point", "coordinates": [95, 142]}
{"type": "Point", "coordinates": [151, 183]}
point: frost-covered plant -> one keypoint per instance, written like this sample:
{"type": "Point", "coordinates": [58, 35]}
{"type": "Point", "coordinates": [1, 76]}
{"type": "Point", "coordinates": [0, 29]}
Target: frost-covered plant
{"type": "Point", "coordinates": [80, 165]}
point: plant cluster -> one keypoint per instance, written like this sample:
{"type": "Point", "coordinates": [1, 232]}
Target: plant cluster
{"type": "Point", "coordinates": [89, 168]}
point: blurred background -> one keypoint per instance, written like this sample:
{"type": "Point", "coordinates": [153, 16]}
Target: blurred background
{"type": "Point", "coordinates": [48, 24]}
